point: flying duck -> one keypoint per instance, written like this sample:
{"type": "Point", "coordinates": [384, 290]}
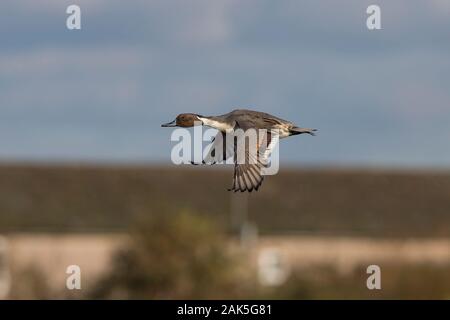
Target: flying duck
{"type": "Point", "coordinates": [247, 175]}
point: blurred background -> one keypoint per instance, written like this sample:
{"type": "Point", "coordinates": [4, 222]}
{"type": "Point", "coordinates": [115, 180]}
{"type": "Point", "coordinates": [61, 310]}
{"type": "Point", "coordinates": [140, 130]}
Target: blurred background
{"type": "Point", "coordinates": [86, 177]}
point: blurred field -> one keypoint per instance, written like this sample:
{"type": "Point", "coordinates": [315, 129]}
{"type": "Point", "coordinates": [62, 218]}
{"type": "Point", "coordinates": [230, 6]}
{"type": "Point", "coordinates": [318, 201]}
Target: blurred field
{"type": "Point", "coordinates": [52, 253]}
{"type": "Point", "coordinates": [319, 267]}
{"type": "Point", "coordinates": [397, 204]}
{"type": "Point", "coordinates": [170, 232]}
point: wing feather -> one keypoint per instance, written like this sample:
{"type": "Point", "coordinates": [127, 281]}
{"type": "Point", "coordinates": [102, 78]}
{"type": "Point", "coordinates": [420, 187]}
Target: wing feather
{"type": "Point", "coordinates": [249, 176]}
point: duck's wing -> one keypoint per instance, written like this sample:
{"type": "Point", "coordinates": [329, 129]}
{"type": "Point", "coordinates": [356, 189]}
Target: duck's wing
{"type": "Point", "coordinates": [219, 150]}
{"type": "Point", "coordinates": [249, 168]}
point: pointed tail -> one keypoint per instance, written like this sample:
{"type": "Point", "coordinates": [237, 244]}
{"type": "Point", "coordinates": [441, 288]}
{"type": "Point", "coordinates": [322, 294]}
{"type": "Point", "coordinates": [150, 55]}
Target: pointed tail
{"type": "Point", "coordinates": [297, 130]}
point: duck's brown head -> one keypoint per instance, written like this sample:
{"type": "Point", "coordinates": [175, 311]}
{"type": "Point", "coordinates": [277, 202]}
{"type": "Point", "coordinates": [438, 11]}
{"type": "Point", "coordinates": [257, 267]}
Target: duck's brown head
{"type": "Point", "coordinates": [184, 120]}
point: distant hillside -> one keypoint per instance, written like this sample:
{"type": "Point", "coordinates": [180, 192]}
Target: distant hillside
{"type": "Point", "coordinates": [335, 202]}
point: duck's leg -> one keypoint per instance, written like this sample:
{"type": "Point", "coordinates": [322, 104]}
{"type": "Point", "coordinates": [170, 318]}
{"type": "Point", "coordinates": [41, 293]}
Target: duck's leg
{"type": "Point", "coordinates": [202, 163]}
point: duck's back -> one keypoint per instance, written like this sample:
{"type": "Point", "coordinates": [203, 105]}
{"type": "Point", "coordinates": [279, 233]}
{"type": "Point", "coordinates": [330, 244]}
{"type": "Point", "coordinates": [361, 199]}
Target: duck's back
{"type": "Point", "coordinates": [260, 120]}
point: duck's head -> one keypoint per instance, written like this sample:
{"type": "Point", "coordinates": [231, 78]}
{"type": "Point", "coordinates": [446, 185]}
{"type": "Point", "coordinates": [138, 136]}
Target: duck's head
{"type": "Point", "coordinates": [184, 120]}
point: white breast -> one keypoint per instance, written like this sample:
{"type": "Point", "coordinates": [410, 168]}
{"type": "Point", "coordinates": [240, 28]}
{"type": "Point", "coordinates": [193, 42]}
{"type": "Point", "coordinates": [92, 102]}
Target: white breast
{"type": "Point", "coordinates": [221, 126]}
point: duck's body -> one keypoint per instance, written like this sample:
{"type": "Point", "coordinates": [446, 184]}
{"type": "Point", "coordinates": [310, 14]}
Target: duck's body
{"type": "Point", "coordinates": [253, 119]}
{"type": "Point", "coordinates": [247, 175]}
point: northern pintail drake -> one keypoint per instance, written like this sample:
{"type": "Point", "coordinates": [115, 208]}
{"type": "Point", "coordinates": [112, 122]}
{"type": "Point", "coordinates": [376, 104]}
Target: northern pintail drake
{"type": "Point", "coordinates": [248, 175]}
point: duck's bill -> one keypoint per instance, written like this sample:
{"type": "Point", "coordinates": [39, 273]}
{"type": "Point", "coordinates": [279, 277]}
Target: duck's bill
{"type": "Point", "coordinates": [170, 124]}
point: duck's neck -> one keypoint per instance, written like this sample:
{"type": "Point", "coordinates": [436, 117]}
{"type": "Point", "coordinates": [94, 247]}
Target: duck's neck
{"type": "Point", "coordinates": [216, 123]}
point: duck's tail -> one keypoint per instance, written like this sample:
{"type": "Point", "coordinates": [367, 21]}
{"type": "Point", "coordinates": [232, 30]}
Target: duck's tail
{"type": "Point", "coordinates": [297, 130]}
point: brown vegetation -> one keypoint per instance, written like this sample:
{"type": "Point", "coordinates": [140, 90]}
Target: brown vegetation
{"type": "Point", "coordinates": [335, 202]}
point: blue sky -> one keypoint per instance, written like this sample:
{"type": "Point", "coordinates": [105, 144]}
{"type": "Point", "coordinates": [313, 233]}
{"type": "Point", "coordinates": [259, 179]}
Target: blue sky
{"type": "Point", "coordinates": [378, 98]}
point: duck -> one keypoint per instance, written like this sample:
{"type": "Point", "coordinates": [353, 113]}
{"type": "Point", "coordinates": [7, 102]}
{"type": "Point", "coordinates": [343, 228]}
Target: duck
{"type": "Point", "coordinates": [248, 176]}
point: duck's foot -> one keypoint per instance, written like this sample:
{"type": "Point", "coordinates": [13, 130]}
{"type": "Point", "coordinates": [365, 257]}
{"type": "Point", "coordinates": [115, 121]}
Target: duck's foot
{"type": "Point", "coordinates": [202, 163]}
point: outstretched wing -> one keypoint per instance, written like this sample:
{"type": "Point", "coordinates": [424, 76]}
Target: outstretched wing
{"type": "Point", "coordinates": [219, 151]}
{"type": "Point", "coordinates": [249, 169]}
